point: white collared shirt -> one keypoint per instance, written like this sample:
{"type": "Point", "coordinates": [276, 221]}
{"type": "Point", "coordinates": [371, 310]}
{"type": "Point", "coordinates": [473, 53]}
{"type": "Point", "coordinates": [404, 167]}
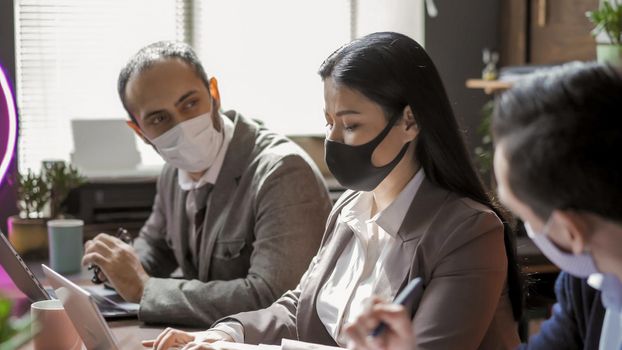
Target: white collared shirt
{"type": "Point", "coordinates": [611, 332]}
{"type": "Point", "coordinates": [198, 193]}
{"type": "Point", "coordinates": [360, 270]}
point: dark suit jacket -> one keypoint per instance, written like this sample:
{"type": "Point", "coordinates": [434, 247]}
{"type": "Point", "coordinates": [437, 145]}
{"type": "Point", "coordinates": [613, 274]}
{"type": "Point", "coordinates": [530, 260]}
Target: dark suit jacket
{"type": "Point", "coordinates": [577, 318]}
{"type": "Point", "coordinates": [264, 222]}
{"type": "Point", "coordinates": [453, 243]}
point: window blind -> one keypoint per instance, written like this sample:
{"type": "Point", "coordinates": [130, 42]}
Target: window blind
{"type": "Point", "coordinates": [265, 54]}
{"type": "Point", "coordinates": [68, 57]}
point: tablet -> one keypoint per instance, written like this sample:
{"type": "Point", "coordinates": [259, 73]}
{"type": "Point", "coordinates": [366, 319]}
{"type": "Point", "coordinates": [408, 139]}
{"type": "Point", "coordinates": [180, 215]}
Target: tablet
{"type": "Point", "coordinates": [83, 312]}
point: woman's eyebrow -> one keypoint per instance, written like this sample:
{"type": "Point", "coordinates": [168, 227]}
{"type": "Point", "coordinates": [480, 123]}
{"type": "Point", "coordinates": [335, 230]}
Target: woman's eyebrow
{"type": "Point", "coordinates": [347, 112]}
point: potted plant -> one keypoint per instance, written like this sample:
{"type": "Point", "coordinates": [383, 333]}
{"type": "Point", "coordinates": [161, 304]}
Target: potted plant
{"type": "Point", "coordinates": [61, 178]}
{"type": "Point", "coordinates": [608, 19]}
{"type": "Point", "coordinates": [14, 332]}
{"type": "Point", "coordinates": [484, 152]}
{"type": "Point", "coordinates": [27, 230]}
{"type": "Point", "coordinates": [36, 193]}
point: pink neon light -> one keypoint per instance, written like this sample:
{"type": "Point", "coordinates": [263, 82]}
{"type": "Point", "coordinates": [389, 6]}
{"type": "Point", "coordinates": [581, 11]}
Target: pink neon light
{"type": "Point", "coordinates": [10, 105]}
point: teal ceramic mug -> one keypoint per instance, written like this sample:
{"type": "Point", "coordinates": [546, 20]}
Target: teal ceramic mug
{"type": "Point", "coordinates": [65, 239]}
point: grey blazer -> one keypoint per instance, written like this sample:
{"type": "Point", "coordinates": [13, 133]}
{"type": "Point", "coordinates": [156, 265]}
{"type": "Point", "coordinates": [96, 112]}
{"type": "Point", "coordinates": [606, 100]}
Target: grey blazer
{"type": "Point", "coordinates": [453, 243]}
{"type": "Point", "coordinates": [263, 224]}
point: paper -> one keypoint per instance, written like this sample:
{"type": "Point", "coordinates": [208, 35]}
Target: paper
{"type": "Point", "coordinates": [286, 344]}
{"type": "Point", "coordinates": [225, 345]}
{"type": "Point", "coordinates": [289, 344]}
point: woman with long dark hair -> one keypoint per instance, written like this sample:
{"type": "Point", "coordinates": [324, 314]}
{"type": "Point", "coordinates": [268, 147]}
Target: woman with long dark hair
{"type": "Point", "coordinates": [415, 208]}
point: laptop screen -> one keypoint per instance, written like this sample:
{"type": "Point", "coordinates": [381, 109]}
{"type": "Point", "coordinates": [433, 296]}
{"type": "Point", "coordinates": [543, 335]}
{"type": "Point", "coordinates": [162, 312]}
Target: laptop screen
{"type": "Point", "coordinates": [21, 275]}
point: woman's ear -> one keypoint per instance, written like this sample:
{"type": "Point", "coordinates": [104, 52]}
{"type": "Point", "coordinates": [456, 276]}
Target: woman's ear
{"type": "Point", "coordinates": [410, 124]}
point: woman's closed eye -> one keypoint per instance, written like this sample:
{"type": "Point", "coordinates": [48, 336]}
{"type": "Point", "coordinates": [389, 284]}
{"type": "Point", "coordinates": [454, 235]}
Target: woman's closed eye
{"type": "Point", "coordinates": [351, 127]}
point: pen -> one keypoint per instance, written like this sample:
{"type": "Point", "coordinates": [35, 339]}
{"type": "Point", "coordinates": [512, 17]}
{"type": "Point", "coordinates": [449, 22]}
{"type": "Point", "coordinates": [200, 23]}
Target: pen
{"type": "Point", "coordinates": [123, 235]}
{"type": "Point", "coordinates": [412, 292]}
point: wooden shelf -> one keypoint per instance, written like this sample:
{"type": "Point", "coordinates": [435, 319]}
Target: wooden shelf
{"type": "Point", "coordinates": [489, 86]}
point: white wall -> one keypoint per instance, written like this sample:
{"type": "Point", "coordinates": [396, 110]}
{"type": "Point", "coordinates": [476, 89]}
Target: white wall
{"type": "Point", "coordinates": [402, 16]}
{"type": "Point", "coordinates": [266, 55]}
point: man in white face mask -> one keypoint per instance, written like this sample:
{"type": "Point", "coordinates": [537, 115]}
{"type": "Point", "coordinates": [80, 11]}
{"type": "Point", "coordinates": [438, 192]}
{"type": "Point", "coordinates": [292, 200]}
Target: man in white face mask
{"type": "Point", "coordinates": [558, 138]}
{"type": "Point", "coordinates": [240, 210]}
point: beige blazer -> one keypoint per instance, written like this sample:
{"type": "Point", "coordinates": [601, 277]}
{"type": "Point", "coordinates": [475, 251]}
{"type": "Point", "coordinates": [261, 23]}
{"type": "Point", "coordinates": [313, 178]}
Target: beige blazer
{"type": "Point", "coordinates": [453, 243]}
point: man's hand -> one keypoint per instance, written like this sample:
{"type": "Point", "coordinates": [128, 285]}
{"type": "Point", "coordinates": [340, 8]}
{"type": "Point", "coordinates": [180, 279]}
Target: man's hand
{"type": "Point", "coordinates": [397, 335]}
{"type": "Point", "coordinates": [119, 263]}
{"type": "Point", "coordinates": [192, 340]}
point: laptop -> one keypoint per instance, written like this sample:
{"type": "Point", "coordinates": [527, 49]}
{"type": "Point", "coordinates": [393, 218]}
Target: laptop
{"type": "Point", "coordinates": [83, 312]}
{"type": "Point", "coordinates": [103, 144]}
{"type": "Point", "coordinates": [111, 304]}
{"type": "Point", "coordinates": [108, 148]}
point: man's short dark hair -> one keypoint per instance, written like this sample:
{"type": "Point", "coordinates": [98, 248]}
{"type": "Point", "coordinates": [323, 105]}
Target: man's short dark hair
{"type": "Point", "coordinates": [152, 53]}
{"type": "Point", "coordinates": [562, 136]}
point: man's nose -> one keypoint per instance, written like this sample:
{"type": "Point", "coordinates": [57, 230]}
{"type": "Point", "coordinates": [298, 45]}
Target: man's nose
{"type": "Point", "coordinates": [179, 118]}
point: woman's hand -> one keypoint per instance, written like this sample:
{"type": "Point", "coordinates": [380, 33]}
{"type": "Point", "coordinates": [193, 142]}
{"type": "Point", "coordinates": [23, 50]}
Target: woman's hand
{"type": "Point", "coordinates": [171, 337]}
{"type": "Point", "coordinates": [397, 335]}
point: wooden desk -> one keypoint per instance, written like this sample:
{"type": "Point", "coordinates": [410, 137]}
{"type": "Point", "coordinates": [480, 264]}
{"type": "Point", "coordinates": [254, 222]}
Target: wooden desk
{"type": "Point", "coordinates": [130, 333]}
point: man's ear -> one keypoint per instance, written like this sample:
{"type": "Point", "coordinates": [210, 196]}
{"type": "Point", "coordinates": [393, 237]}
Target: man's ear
{"type": "Point", "coordinates": [137, 130]}
{"type": "Point", "coordinates": [573, 228]}
{"type": "Point", "coordinates": [213, 90]}
{"type": "Point", "coordinates": [410, 124]}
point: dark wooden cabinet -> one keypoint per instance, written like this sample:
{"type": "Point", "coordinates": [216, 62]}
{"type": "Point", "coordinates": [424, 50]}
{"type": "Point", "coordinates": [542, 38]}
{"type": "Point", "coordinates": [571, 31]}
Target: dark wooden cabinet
{"type": "Point", "coordinates": [546, 31]}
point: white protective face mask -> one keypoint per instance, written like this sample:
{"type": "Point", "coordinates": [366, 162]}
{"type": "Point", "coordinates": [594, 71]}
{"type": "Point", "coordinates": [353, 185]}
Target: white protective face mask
{"type": "Point", "coordinates": [579, 265]}
{"type": "Point", "coordinates": [191, 145]}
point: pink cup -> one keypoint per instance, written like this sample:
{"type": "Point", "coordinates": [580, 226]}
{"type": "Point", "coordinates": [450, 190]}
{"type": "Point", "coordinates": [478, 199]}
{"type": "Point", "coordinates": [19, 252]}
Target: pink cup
{"type": "Point", "coordinates": [52, 328]}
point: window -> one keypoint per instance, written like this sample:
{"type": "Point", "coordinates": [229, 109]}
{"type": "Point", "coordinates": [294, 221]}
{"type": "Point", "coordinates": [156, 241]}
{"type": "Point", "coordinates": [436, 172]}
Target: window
{"type": "Point", "coordinates": [265, 55]}
{"type": "Point", "coordinates": [68, 56]}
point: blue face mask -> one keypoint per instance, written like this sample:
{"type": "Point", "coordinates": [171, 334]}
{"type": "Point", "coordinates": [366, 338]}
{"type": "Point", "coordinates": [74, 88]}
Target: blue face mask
{"type": "Point", "coordinates": [579, 265]}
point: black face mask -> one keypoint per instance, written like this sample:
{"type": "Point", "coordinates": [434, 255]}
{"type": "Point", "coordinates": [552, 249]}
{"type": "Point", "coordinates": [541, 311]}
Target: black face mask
{"type": "Point", "coordinates": [351, 165]}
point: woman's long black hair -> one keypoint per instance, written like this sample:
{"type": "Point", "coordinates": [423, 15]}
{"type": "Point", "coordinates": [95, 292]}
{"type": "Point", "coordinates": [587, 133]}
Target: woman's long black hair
{"type": "Point", "coordinates": [394, 71]}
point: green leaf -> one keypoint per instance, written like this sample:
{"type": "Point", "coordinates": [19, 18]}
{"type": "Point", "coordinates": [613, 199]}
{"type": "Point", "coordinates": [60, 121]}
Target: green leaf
{"type": "Point", "coordinates": [608, 19]}
{"type": "Point", "coordinates": [52, 184]}
{"type": "Point", "coordinates": [14, 332]}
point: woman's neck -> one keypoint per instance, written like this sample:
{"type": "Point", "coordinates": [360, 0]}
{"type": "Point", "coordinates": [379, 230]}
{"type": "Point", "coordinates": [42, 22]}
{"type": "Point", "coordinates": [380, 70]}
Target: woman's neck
{"type": "Point", "coordinates": [394, 183]}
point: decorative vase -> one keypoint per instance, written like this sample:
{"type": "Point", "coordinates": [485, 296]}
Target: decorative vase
{"type": "Point", "coordinates": [28, 235]}
{"type": "Point", "coordinates": [609, 53]}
